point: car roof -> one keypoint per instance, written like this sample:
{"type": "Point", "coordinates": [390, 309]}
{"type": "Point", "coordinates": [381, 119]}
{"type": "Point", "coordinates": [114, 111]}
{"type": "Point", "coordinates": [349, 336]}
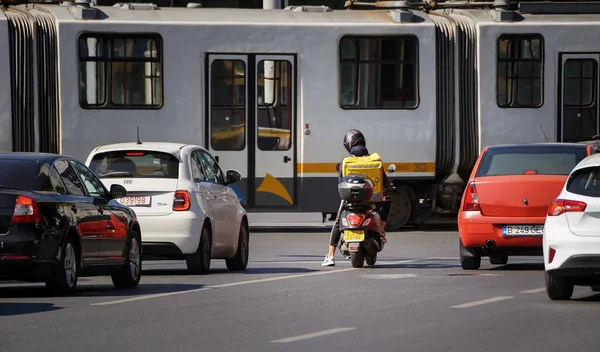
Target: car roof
{"type": "Point", "coordinates": [167, 147]}
{"type": "Point", "coordinates": [31, 156]}
{"type": "Point", "coordinates": [537, 145]}
{"type": "Point", "coordinates": [592, 160]}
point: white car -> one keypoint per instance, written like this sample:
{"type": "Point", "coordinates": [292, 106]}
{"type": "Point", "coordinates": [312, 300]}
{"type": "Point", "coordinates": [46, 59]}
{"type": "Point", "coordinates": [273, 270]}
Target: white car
{"type": "Point", "coordinates": [571, 239]}
{"type": "Point", "coordinates": [183, 201]}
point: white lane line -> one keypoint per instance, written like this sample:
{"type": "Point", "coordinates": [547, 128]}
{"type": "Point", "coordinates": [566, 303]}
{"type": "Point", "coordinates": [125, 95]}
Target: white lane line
{"type": "Point", "coordinates": [312, 335]}
{"type": "Point", "coordinates": [238, 283]}
{"type": "Point", "coordinates": [485, 301]}
{"type": "Point", "coordinates": [535, 290]}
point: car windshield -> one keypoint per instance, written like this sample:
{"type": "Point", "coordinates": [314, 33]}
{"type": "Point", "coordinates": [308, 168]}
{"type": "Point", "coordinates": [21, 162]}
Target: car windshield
{"type": "Point", "coordinates": [538, 160]}
{"type": "Point", "coordinates": [21, 174]}
{"type": "Point", "coordinates": [135, 164]}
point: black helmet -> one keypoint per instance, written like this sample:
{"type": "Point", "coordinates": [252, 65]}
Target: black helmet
{"type": "Point", "coordinates": [353, 138]}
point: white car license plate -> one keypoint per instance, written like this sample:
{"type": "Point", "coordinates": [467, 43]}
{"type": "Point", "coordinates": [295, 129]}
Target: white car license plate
{"type": "Point", "coordinates": [523, 230]}
{"type": "Point", "coordinates": [135, 201]}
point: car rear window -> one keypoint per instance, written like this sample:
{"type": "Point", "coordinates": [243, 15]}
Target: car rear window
{"type": "Point", "coordinates": [135, 164]}
{"type": "Point", "coordinates": [543, 160]}
{"type": "Point", "coordinates": [585, 182]}
{"type": "Point", "coordinates": [21, 174]}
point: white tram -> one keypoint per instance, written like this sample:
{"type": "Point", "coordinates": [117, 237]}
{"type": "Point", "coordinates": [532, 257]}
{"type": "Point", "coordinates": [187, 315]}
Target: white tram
{"type": "Point", "coordinates": [272, 92]}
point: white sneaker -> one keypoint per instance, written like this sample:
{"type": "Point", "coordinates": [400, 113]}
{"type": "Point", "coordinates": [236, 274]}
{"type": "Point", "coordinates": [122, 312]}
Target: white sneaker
{"type": "Point", "coordinates": [329, 261]}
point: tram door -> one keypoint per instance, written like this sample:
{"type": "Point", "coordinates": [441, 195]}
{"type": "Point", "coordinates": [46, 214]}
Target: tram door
{"type": "Point", "coordinates": [251, 103]}
{"type": "Point", "coordinates": [579, 97]}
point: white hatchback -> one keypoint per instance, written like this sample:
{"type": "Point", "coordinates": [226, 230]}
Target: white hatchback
{"type": "Point", "coordinates": [571, 239]}
{"type": "Point", "coordinates": [183, 201]}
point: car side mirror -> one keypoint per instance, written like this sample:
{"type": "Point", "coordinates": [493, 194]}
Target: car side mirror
{"type": "Point", "coordinates": [337, 167]}
{"type": "Point", "coordinates": [391, 168]}
{"type": "Point", "coordinates": [233, 176]}
{"type": "Point", "coordinates": [117, 191]}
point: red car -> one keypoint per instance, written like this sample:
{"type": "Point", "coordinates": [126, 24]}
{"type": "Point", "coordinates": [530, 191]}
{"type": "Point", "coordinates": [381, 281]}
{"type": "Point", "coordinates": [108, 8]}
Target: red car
{"type": "Point", "coordinates": [504, 205]}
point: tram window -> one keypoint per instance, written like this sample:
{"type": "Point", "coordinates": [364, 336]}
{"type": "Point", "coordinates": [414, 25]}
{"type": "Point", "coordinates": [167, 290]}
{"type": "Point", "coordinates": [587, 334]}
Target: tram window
{"type": "Point", "coordinates": [228, 105]}
{"type": "Point", "coordinates": [275, 103]}
{"type": "Point", "coordinates": [378, 72]}
{"type": "Point", "coordinates": [120, 71]}
{"type": "Point", "coordinates": [519, 71]}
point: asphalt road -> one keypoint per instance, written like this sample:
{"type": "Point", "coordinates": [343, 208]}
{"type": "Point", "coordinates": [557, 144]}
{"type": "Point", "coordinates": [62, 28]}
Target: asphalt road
{"type": "Point", "coordinates": [416, 299]}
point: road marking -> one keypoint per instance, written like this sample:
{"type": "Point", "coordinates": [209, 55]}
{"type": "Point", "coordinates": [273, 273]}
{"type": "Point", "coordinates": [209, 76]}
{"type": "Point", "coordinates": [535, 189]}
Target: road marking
{"type": "Point", "coordinates": [231, 284]}
{"type": "Point", "coordinates": [535, 290]}
{"type": "Point", "coordinates": [485, 301]}
{"type": "Point", "coordinates": [312, 335]}
{"type": "Point", "coordinates": [237, 283]}
{"type": "Point", "coordinates": [388, 276]}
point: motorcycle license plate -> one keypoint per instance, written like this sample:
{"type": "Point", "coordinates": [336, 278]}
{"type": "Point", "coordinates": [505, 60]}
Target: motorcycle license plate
{"type": "Point", "coordinates": [353, 235]}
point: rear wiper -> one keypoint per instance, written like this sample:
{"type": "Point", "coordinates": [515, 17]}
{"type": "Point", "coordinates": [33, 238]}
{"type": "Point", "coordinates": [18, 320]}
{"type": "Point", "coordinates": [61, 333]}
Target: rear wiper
{"type": "Point", "coordinates": [117, 174]}
{"type": "Point", "coordinates": [9, 187]}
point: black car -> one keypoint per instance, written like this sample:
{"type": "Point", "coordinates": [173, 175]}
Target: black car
{"type": "Point", "coordinates": [58, 222]}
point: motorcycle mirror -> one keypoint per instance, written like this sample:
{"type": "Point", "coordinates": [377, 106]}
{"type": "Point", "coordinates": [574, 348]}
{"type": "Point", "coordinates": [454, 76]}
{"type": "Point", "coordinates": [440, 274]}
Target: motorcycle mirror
{"type": "Point", "coordinates": [391, 168]}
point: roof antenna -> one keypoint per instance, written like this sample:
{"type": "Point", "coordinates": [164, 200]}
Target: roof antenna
{"type": "Point", "coordinates": [138, 135]}
{"type": "Point", "coordinates": [541, 128]}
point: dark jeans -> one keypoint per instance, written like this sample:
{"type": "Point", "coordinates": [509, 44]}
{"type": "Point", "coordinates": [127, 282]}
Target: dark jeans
{"type": "Point", "coordinates": [383, 208]}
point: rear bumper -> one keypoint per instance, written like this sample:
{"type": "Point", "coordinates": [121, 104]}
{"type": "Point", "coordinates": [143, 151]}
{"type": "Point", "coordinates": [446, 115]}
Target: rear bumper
{"type": "Point", "coordinates": [170, 235]}
{"type": "Point", "coordinates": [576, 256]}
{"type": "Point", "coordinates": [475, 230]}
{"type": "Point", "coordinates": [27, 258]}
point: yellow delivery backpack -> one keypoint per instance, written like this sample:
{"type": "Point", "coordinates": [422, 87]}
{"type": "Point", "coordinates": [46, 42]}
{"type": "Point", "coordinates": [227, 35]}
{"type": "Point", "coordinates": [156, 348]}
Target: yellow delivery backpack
{"type": "Point", "coordinates": [370, 166]}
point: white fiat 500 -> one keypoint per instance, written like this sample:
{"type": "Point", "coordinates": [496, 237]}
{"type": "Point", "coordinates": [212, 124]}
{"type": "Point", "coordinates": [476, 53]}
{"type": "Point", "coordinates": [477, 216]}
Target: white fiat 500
{"type": "Point", "coordinates": [571, 239]}
{"type": "Point", "coordinates": [183, 201]}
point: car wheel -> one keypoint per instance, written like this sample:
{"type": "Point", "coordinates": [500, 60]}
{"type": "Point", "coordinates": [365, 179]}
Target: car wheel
{"type": "Point", "coordinates": [468, 259]}
{"type": "Point", "coordinates": [498, 259]}
{"type": "Point", "coordinates": [240, 261]}
{"type": "Point", "coordinates": [199, 262]}
{"type": "Point", "coordinates": [130, 274]}
{"type": "Point", "coordinates": [559, 288]}
{"type": "Point", "coordinates": [63, 279]}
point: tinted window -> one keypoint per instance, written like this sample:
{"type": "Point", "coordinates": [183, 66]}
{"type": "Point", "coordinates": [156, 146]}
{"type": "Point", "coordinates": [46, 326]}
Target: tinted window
{"type": "Point", "coordinates": [211, 169]}
{"type": "Point", "coordinates": [19, 173]}
{"type": "Point", "coordinates": [69, 178]}
{"type": "Point", "coordinates": [197, 171]}
{"type": "Point", "coordinates": [91, 182]}
{"type": "Point", "coordinates": [585, 182]}
{"type": "Point", "coordinates": [135, 164]}
{"type": "Point", "coordinates": [544, 160]}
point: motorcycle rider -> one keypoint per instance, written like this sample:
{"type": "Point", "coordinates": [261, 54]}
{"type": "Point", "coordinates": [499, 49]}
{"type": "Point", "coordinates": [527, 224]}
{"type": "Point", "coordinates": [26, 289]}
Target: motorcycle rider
{"type": "Point", "coordinates": [355, 144]}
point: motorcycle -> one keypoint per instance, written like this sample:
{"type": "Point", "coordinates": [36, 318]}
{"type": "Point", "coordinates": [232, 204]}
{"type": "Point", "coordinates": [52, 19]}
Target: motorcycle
{"type": "Point", "coordinates": [360, 222]}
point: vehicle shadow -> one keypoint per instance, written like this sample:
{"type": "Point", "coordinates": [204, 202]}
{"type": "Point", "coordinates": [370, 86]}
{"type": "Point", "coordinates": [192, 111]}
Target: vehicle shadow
{"type": "Point", "coordinates": [96, 290]}
{"type": "Point", "coordinates": [416, 266]}
{"type": "Point", "coordinates": [249, 270]}
{"type": "Point", "coordinates": [593, 297]}
{"type": "Point", "coordinates": [517, 267]}
{"type": "Point", "coordinates": [20, 308]}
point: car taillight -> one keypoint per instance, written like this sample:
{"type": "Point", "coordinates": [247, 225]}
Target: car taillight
{"type": "Point", "coordinates": [471, 198]}
{"type": "Point", "coordinates": [355, 219]}
{"type": "Point", "coordinates": [26, 211]}
{"type": "Point", "coordinates": [181, 201]}
{"type": "Point", "coordinates": [561, 206]}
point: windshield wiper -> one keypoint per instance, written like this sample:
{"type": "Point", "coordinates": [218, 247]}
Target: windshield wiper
{"type": "Point", "coordinates": [117, 174]}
